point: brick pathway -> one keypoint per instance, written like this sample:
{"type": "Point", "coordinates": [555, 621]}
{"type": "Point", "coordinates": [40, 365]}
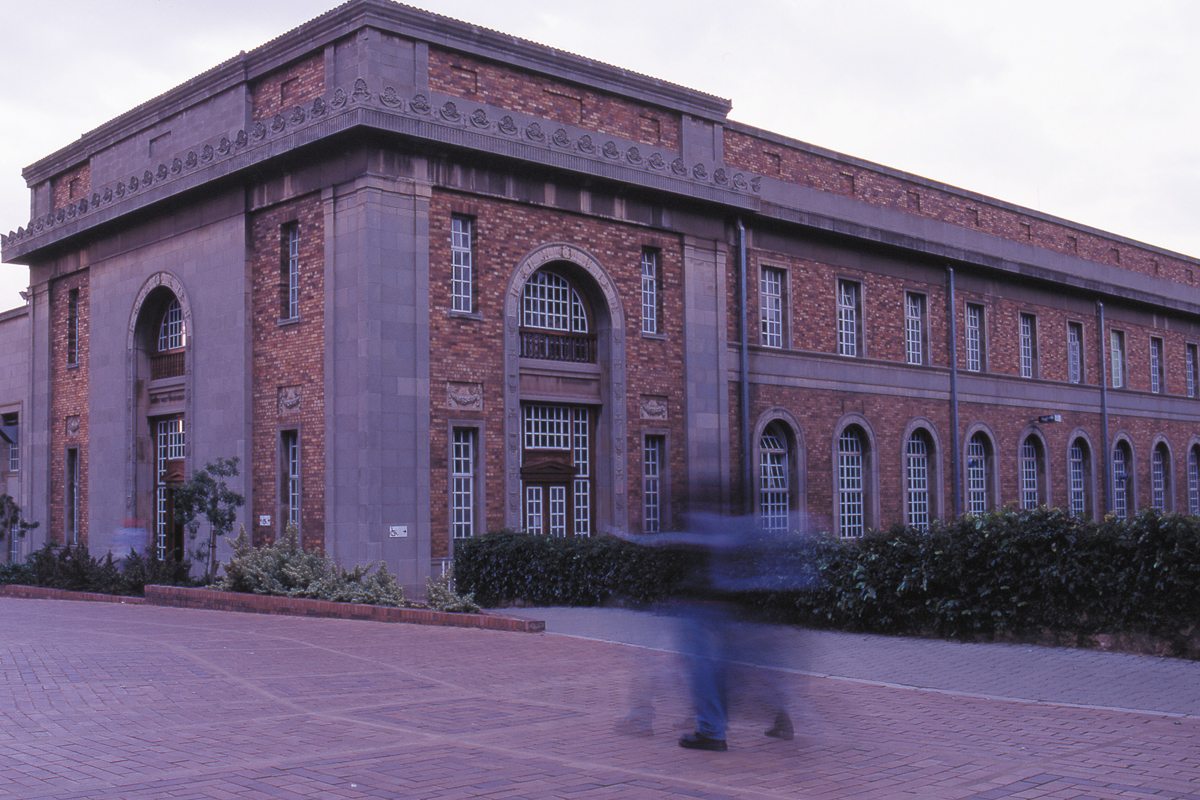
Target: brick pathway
{"type": "Point", "coordinates": [137, 702]}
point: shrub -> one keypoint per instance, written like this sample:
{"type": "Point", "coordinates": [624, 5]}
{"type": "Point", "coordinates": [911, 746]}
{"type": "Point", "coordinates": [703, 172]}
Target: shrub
{"type": "Point", "coordinates": [73, 568]}
{"type": "Point", "coordinates": [286, 569]}
{"type": "Point", "coordinates": [443, 597]}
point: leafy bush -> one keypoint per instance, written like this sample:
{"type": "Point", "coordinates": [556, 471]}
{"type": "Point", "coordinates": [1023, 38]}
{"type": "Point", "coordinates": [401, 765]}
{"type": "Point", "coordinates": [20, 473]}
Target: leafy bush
{"type": "Point", "coordinates": [286, 569]}
{"type": "Point", "coordinates": [1007, 572]}
{"type": "Point", "coordinates": [73, 568]}
{"type": "Point", "coordinates": [544, 570]}
{"type": "Point", "coordinates": [443, 597]}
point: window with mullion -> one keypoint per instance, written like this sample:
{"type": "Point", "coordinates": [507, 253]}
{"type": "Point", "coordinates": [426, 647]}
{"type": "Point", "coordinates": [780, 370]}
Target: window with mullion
{"type": "Point", "coordinates": [1117, 347]}
{"type": "Point", "coordinates": [460, 261]}
{"type": "Point", "coordinates": [1075, 352]}
{"type": "Point", "coordinates": [774, 498]}
{"type": "Point", "coordinates": [652, 474]}
{"type": "Point", "coordinates": [462, 483]}
{"type": "Point", "coordinates": [1029, 475]}
{"type": "Point", "coordinates": [975, 338]}
{"type": "Point", "coordinates": [914, 328]}
{"type": "Point", "coordinates": [977, 474]}
{"type": "Point", "coordinates": [848, 301]}
{"type": "Point", "coordinates": [770, 300]}
{"type": "Point", "coordinates": [917, 474]}
{"type": "Point", "coordinates": [651, 295]}
{"type": "Point", "coordinates": [1192, 368]}
{"type": "Point", "coordinates": [1156, 365]}
{"type": "Point", "coordinates": [1159, 478]}
{"type": "Point", "coordinates": [1193, 476]}
{"type": "Point", "coordinates": [289, 495]}
{"type": "Point", "coordinates": [1120, 470]}
{"type": "Point", "coordinates": [1028, 341]}
{"type": "Point", "coordinates": [289, 294]}
{"type": "Point", "coordinates": [1077, 479]}
{"type": "Point", "coordinates": [851, 500]}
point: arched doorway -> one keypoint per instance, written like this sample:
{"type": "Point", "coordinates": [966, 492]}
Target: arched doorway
{"type": "Point", "coordinates": [158, 370]}
{"type": "Point", "coordinates": [564, 395]}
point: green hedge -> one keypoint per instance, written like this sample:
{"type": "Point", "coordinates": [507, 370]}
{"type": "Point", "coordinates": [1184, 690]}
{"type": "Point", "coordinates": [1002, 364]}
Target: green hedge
{"type": "Point", "coordinates": [1012, 571]}
{"type": "Point", "coordinates": [74, 569]}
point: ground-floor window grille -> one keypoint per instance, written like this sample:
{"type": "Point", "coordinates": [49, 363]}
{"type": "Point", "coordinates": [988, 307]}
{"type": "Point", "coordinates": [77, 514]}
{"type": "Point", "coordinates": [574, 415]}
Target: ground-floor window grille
{"type": "Point", "coordinates": [1120, 483]}
{"type": "Point", "coordinates": [850, 485]}
{"type": "Point", "coordinates": [976, 476]}
{"type": "Point", "coordinates": [462, 483]}
{"type": "Point", "coordinates": [170, 448]}
{"type": "Point", "coordinates": [652, 473]}
{"type": "Point", "coordinates": [917, 468]}
{"type": "Point", "coordinates": [1029, 475]}
{"type": "Point", "coordinates": [1158, 478]}
{"type": "Point", "coordinates": [1078, 481]}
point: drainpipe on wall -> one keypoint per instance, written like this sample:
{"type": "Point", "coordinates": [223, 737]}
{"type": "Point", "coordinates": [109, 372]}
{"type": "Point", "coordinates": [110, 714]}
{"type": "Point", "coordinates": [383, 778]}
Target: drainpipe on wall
{"type": "Point", "coordinates": [1107, 455]}
{"type": "Point", "coordinates": [955, 459]}
{"type": "Point", "coordinates": [747, 434]}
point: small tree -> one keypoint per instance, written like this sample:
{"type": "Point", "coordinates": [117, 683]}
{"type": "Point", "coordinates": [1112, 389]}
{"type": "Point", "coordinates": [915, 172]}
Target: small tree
{"type": "Point", "coordinates": [206, 496]}
{"type": "Point", "coordinates": [11, 522]}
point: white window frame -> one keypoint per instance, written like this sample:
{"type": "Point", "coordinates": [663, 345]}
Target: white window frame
{"type": "Point", "coordinates": [172, 334]}
{"type": "Point", "coordinates": [916, 479]}
{"type": "Point", "coordinates": [654, 447]}
{"type": "Point", "coordinates": [771, 296]}
{"type": "Point", "coordinates": [461, 264]}
{"type": "Point", "coordinates": [1075, 352]}
{"type": "Point", "coordinates": [1193, 477]}
{"type": "Point", "coordinates": [977, 474]}
{"type": "Point", "coordinates": [651, 292]}
{"type": "Point", "coordinates": [550, 302]}
{"type": "Point", "coordinates": [852, 492]}
{"type": "Point", "coordinates": [1117, 348]}
{"type": "Point", "coordinates": [1160, 477]}
{"type": "Point", "coordinates": [71, 490]}
{"type": "Point", "coordinates": [72, 326]}
{"type": "Point", "coordinates": [289, 476]}
{"type": "Point", "coordinates": [976, 341]}
{"type": "Point", "coordinates": [1077, 479]}
{"type": "Point", "coordinates": [291, 269]}
{"type": "Point", "coordinates": [1120, 470]}
{"type": "Point", "coordinates": [1028, 340]}
{"type": "Point", "coordinates": [1030, 498]}
{"type": "Point", "coordinates": [849, 308]}
{"type": "Point", "coordinates": [464, 477]}
{"type": "Point", "coordinates": [914, 328]}
{"type": "Point", "coordinates": [774, 484]}
{"type": "Point", "coordinates": [1192, 367]}
{"type": "Point", "coordinates": [581, 459]}
{"type": "Point", "coordinates": [1156, 365]}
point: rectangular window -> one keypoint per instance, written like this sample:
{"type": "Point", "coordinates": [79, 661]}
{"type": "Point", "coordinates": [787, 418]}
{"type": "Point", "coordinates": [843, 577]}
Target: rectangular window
{"type": "Point", "coordinates": [771, 304]}
{"type": "Point", "coordinates": [651, 296]}
{"type": "Point", "coordinates": [918, 483]}
{"type": "Point", "coordinates": [533, 509]}
{"type": "Point", "coordinates": [1029, 476]}
{"type": "Point", "coordinates": [976, 477]}
{"type": "Point", "coordinates": [850, 486]}
{"type": "Point", "coordinates": [462, 483]}
{"type": "Point", "coordinates": [1158, 479]}
{"type": "Point", "coordinates": [1193, 475]}
{"type": "Point", "coordinates": [914, 328]}
{"type": "Point", "coordinates": [848, 307]}
{"type": "Point", "coordinates": [1120, 483]}
{"type": "Point", "coordinates": [73, 326]}
{"type": "Point", "coordinates": [1078, 481]}
{"type": "Point", "coordinates": [1156, 365]}
{"type": "Point", "coordinates": [460, 259]}
{"type": "Point", "coordinates": [289, 272]}
{"type": "Point", "coordinates": [289, 477]}
{"type": "Point", "coordinates": [547, 427]}
{"type": "Point", "coordinates": [71, 497]}
{"type": "Point", "coordinates": [581, 448]}
{"type": "Point", "coordinates": [1117, 346]}
{"type": "Point", "coordinates": [1028, 346]}
{"type": "Point", "coordinates": [1075, 352]}
{"type": "Point", "coordinates": [9, 441]}
{"type": "Point", "coordinates": [774, 497]}
{"type": "Point", "coordinates": [1192, 368]}
{"type": "Point", "coordinates": [975, 339]}
{"type": "Point", "coordinates": [652, 477]}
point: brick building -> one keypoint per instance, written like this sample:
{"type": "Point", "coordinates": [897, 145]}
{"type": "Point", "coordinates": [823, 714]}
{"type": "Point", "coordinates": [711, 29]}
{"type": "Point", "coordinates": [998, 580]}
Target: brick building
{"type": "Point", "coordinates": [427, 280]}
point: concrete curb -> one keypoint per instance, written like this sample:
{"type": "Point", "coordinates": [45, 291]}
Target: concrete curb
{"type": "Point", "coordinates": [212, 600]}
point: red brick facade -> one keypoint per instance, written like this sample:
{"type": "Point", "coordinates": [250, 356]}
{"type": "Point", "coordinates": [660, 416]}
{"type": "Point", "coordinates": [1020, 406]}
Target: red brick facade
{"type": "Point", "coordinates": [289, 366]}
{"type": "Point", "coordinates": [475, 79]}
{"type": "Point", "coordinates": [282, 91]}
{"type": "Point", "coordinates": [71, 186]}
{"type": "Point", "coordinates": [69, 414]}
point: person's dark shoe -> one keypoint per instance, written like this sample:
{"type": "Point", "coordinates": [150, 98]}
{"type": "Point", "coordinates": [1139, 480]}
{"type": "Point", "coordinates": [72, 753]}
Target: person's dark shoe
{"type": "Point", "coordinates": [698, 741]}
{"type": "Point", "coordinates": [782, 729]}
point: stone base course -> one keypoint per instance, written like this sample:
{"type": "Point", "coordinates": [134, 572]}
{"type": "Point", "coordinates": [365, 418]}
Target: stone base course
{"type": "Point", "coordinates": [212, 600]}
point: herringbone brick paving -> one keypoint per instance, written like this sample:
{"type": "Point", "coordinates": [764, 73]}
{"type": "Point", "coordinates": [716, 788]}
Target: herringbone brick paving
{"type": "Point", "coordinates": [107, 701]}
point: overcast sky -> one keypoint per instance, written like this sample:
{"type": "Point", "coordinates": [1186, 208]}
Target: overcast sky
{"type": "Point", "coordinates": [1084, 109]}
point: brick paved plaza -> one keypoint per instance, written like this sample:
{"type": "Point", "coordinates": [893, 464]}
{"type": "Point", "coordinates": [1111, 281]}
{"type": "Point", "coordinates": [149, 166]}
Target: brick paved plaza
{"type": "Point", "coordinates": [139, 702]}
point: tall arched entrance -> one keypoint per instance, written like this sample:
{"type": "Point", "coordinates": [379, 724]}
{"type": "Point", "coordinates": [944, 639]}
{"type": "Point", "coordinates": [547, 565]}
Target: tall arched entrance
{"type": "Point", "coordinates": [159, 368]}
{"type": "Point", "coordinates": [564, 396]}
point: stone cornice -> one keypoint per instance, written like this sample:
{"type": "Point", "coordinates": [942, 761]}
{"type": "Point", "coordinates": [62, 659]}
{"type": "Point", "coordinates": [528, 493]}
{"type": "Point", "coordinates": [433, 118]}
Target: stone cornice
{"type": "Point", "coordinates": [423, 117]}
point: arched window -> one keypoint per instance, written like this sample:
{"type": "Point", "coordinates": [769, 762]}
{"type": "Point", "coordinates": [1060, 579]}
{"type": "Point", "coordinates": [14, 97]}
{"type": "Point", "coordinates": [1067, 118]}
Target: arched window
{"type": "Point", "coordinates": [774, 490]}
{"type": "Point", "coordinates": [1079, 478]}
{"type": "Point", "coordinates": [555, 323]}
{"type": "Point", "coordinates": [916, 477]}
{"type": "Point", "coordinates": [852, 482]}
{"type": "Point", "coordinates": [980, 473]}
{"type": "Point", "coordinates": [1122, 459]}
{"type": "Point", "coordinates": [171, 332]}
{"type": "Point", "coordinates": [1193, 477]}
{"type": "Point", "coordinates": [1160, 477]}
{"type": "Point", "coordinates": [1033, 470]}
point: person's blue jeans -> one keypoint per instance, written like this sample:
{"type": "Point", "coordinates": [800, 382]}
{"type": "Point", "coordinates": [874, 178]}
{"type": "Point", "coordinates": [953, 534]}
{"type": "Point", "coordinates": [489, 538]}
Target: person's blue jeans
{"type": "Point", "coordinates": [705, 634]}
